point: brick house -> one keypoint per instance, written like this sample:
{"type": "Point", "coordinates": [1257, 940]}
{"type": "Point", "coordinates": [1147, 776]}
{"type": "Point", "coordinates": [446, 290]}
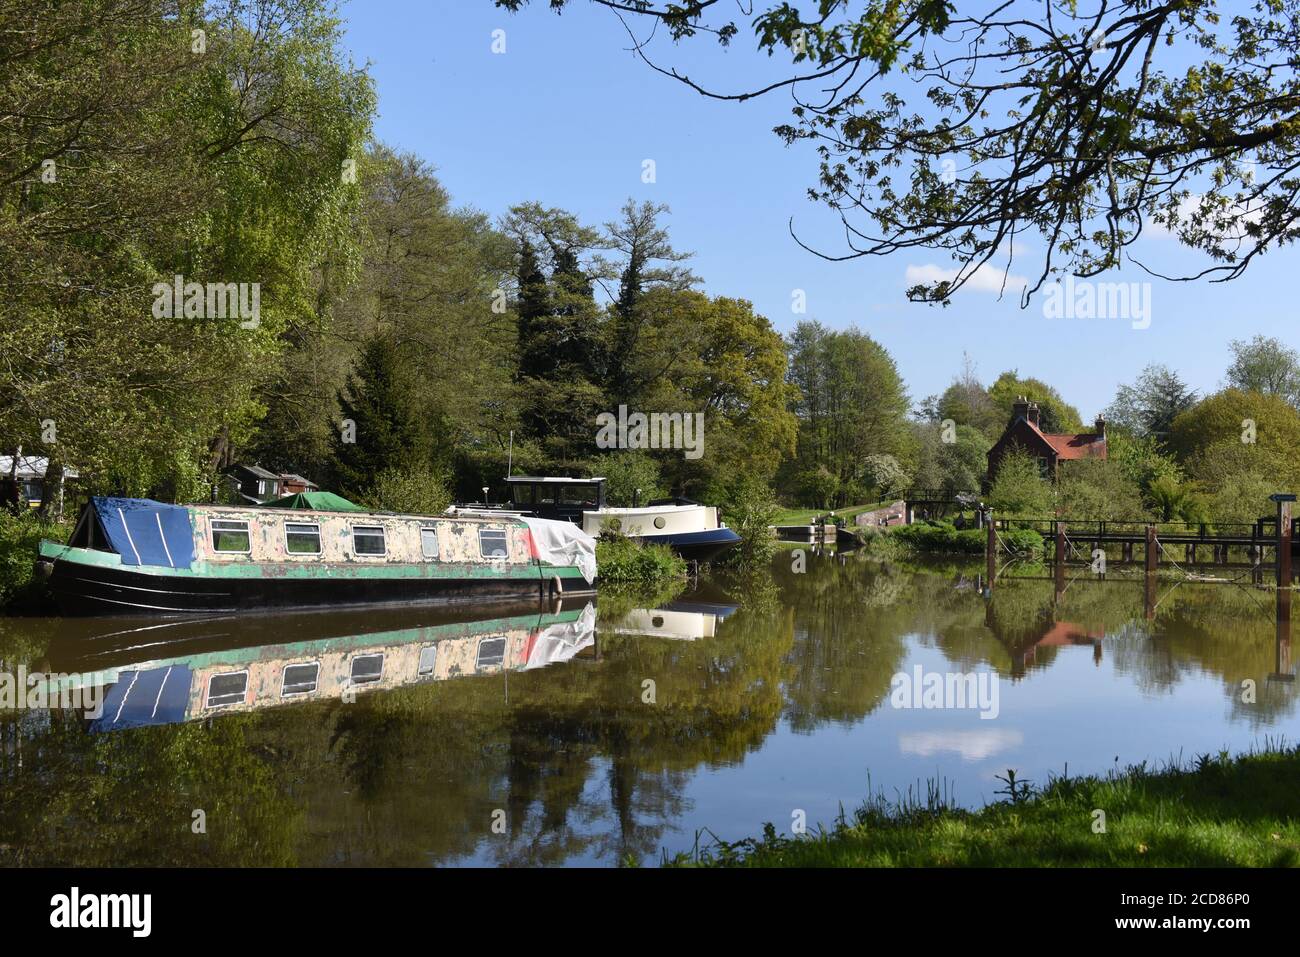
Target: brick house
{"type": "Point", "coordinates": [1050, 448]}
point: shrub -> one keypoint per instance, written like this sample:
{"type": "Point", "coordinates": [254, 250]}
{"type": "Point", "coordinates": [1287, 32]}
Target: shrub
{"type": "Point", "coordinates": [20, 537]}
{"type": "Point", "coordinates": [412, 491]}
{"type": "Point", "coordinates": [622, 560]}
{"type": "Point", "coordinates": [944, 538]}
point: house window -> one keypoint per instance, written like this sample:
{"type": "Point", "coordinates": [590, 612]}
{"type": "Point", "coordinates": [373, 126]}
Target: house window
{"type": "Point", "coordinates": [367, 668]}
{"type": "Point", "coordinates": [229, 535]}
{"type": "Point", "coordinates": [300, 679]}
{"type": "Point", "coordinates": [429, 540]}
{"type": "Point", "coordinates": [1044, 467]}
{"type": "Point", "coordinates": [368, 539]}
{"type": "Point", "coordinates": [428, 661]}
{"type": "Point", "coordinates": [491, 652]}
{"type": "Point", "coordinates": [492, 543]}
{"type": "Point", "coordinates": [227, 689]}
{"type": "Point", "coordinates": [301, 538]}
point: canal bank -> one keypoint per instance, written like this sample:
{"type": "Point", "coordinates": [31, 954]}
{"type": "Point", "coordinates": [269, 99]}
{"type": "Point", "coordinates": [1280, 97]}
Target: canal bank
{"type": "Point", "coordinates": [1213, 811]}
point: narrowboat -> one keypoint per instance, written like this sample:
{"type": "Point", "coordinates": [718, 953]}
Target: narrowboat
{"type": "Point", "coordinates": [692, 530]}
{"type": "Point", "coordinates": [137, 556]}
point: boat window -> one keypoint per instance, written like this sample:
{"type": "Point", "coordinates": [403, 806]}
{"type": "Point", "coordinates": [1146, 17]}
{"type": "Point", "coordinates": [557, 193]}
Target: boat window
{"type": "Point", "coordinates": [659, 521]}
{"type": "Point", "coordinates": [368, 539]}
{"type": "Point", "coordinates": [491, 652]}
{"type": "Point", "coordinates": [229, 535]}
{"type": "Point", "coordinates": [578, 495]}
{"type": "Point", "coordinates": [545, 494]}
{"type": "Point", "coordinates": [521, 494]}
{"type": "Point", "coordinates": [227, 689]}
{"type": "Point", "coordinates": [428, 660]}
{"type": "Point", "coordinates": [429, 540]}
{"type": "Point", "coordinates": [300, 679]}
{"type": "Point", "coordinates": [492, 543]}
{"type": "Point", "coordinates": [367, 668]}
{"type": "Point", "coordinates": [301, 538]}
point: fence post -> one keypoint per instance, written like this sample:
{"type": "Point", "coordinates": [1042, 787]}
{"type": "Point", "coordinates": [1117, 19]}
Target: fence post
{"type": "Point", "coordinates": [1283, 538]}
{"type": "Point", "coordinates": [1152, 558]}
{"type": "Point", "coordinates": [991, 550]}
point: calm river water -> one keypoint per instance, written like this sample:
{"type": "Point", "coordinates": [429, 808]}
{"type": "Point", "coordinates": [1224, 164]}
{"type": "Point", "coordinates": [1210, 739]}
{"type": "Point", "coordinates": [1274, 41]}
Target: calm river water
{"type": "Point", "coordinates": [522, 736]}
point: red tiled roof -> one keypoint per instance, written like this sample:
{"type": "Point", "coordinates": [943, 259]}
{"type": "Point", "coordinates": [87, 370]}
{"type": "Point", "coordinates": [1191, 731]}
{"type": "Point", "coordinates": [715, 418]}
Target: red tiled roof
{"type": "Point", "coordinates": [1071, 445]}
{"type": "Point", "coordinates": [1081, 446]}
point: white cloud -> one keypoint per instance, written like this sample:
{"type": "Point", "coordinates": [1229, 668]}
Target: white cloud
{"type": "Point", "coordinates": [971, 745]}
{"type": "Point", "coordinates": [986, 278]}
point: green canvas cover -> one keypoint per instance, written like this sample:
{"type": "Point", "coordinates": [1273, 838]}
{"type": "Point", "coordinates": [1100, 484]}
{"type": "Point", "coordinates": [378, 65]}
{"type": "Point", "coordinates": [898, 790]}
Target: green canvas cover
{"type": "Point", "coordinates": [315, 501]}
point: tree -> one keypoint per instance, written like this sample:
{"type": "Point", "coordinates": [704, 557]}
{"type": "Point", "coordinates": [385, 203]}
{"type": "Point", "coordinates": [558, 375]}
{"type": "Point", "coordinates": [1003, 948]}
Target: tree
{"type": "Point", "coordinates": [967, 402]}
{"type": "Point", "coordinates": [851, 402]}
{"type": "Point", "coordinates": [1265, 365]}
{"type": "Point", "coordinates": [1149, 406]}
{"type": "Point", "coordinates": [1019, 488]}
{"type": "Point", "coordinates": [1054, 413]}
{"type": "Point", "coordinates": [1234, 433]}
{"type": "Point", "coordinates": [376, 401]}
{"type": "Point", "coordinates": [959, 128]}
{"type": "Point", "coordinates": [129, 160]}
{"type": "Point", "coordinates": [643, 243]}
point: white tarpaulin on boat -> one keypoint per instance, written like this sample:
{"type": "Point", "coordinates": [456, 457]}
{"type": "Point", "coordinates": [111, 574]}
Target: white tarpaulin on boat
{"type": "Point", "coordinates": [563, 543]}
{"type": "Point", "coordinates": [559, 642]}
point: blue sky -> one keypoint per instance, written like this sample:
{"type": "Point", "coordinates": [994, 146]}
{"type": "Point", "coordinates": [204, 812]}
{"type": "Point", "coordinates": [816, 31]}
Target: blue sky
{"type": "Point", "coordinates": [567, 115]}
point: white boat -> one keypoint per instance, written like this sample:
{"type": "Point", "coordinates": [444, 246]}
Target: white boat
{"type": "Point", "coordinates": [692, 530]}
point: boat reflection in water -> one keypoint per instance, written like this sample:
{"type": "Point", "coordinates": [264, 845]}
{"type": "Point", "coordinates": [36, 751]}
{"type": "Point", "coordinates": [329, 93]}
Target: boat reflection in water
{"type": "Point", "coordinates": [165, 674]}
{"type": "Point", "coordinates": [195, 669]}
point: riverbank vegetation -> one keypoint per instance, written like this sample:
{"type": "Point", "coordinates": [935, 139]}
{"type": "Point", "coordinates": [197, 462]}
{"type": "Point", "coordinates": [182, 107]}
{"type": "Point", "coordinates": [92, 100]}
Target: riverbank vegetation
{"type": "Point", "coordinates": [1213, 811]}
{"type": "Point", "coordinates": [625, 561]}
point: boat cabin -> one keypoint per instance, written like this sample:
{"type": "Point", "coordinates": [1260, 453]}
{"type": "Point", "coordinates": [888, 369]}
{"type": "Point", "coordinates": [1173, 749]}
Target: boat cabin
{"type": "Point", "coordinates": [556, 498]}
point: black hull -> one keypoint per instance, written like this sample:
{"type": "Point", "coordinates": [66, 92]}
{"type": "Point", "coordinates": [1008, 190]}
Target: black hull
{"type": "Point", "coordinates": [89, 590]}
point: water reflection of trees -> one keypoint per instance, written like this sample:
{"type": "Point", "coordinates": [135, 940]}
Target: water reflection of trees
{"type": "Point", "coordinates": [578, 765]}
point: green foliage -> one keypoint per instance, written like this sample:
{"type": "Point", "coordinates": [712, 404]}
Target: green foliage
{"type": "Point", "coordinates": [1019, 488]}
{"type": "Point", "coordinates": [412, 491]}
{"type": "Point", "coordinates": [1054, 413]}
{"type": "Point", "coordinates": [1098, 489]}
{"type": "Point", "coordinates": [750, 509]}
{"type": "Point", "coordinates": [850, 403]}
{"type": "Point", "coordinates": [626, 472]}
{"type": "Point", "coordinates": [623, 560]}
{"type": "Point", "coordinates": [20, 536]}
{"type": "Point", "coordinates": [883, 474]}
{"type": "Point", "coordinates": [378, 404]}
{"type": "Point", "coordinates": [1235, 433]}
{"type": "Point", "coordinates": [944, 538]}
{"type": "Point", "coordinates": [1265, 365]}
{"type": "Point", "coordinates": [1148, 407]}
{"type": "Point", "coordinates": [1176, 501]}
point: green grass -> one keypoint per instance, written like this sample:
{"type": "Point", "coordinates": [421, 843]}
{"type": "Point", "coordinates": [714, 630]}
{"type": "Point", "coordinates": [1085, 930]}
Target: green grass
{"type": "Point", "coordinates": [1214, 812]}
{"type": "Point", "coordinates": [20, 535]}
{"type": "Point", "coordinates": [805, 516]}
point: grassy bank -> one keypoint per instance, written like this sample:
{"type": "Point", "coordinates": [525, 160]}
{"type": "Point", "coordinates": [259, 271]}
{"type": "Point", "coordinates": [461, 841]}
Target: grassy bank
{"type": "Point", "coordinates": [1214, 811]}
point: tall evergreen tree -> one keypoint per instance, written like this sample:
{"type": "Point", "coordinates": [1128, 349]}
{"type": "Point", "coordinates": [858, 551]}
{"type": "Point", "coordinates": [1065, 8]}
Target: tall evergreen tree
{"type": "Point", "coordinates": [533, 307]}
{"type": "Point", "coordinates": [378, 415]}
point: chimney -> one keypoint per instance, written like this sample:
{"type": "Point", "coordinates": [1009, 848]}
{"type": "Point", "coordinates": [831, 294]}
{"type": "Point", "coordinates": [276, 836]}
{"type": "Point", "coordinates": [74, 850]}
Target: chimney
{"type": "Point", "coordinates": [1020, 408]}
{"type": "Point", "coordinates": [1100, 426]}
{"type": "Point", "coordinates": [1032, 414]}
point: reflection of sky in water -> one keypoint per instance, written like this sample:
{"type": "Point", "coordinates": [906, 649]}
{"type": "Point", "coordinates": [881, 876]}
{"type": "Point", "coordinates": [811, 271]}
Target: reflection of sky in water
{"type": "Point", "coordinates": [1074, 713]}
